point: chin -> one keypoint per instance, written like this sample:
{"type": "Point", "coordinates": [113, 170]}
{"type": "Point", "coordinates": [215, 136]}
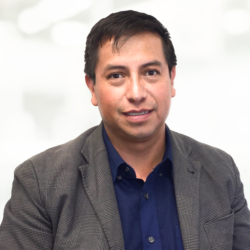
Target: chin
{"type": "Point", "coordinates": [140, 135]}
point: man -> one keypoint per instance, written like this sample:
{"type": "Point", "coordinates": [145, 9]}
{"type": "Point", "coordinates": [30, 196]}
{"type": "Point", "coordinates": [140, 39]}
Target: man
{"type": "Point", "coordinates": [129, 183]}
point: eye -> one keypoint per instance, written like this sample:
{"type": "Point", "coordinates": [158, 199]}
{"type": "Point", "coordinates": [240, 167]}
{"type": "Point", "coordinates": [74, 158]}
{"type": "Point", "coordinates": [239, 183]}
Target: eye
{"type": "Point", "coordinates": [152, 73]}
{"type": "Point", "coordinates": [116, 75]}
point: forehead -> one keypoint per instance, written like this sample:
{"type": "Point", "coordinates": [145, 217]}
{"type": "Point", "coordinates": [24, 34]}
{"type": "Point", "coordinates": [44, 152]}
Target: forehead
{"type": "Point", "coordinates": [131, 48]}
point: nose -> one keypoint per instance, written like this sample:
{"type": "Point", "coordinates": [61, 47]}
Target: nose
{"type": "Point", "coordinates": [136, 90]}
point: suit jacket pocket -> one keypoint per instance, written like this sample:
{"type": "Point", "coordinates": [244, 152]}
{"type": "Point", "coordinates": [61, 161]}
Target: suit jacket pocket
{"type": "Point", "coordinates": [220, 232]}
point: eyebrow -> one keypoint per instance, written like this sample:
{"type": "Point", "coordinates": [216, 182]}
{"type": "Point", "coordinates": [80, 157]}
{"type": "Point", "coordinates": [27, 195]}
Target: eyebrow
{"type": "Point", "coordinates": [152, 63]}
{"type": "Point", "coordinates": [111, 67]}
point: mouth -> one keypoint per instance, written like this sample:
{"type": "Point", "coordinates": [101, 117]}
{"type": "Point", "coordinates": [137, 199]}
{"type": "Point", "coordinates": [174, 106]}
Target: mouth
{"type": "Point", "coordinates": [137, 113]}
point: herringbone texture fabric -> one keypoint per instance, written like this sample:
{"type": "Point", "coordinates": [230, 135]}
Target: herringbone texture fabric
{"type": "Point", "coordinates": [64, 199]}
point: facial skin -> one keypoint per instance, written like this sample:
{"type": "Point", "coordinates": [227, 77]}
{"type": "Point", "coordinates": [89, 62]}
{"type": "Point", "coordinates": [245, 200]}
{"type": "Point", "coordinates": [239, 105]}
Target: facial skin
{"type": "Point", "coordinates": [133, 88]}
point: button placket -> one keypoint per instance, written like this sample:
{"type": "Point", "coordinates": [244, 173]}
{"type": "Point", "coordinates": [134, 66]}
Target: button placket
{"type": "Point", "coordinates": [148, 215]}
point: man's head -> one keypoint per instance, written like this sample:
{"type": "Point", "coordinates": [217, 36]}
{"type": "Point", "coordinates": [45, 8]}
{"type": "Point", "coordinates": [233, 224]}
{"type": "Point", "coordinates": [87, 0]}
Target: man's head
{"type": "Point", "coordinates": [130, 74]}
{"type": "Point", "coordinates": [124, 24]}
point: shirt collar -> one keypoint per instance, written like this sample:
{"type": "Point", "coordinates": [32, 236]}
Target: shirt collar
{"type": "Point", "coordinates": [115, 160]}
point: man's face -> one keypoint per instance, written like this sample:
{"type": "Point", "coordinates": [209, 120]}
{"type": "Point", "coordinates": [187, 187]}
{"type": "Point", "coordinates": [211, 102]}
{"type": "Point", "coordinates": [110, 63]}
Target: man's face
{"type": "Point", "coordinates": [133, 87]}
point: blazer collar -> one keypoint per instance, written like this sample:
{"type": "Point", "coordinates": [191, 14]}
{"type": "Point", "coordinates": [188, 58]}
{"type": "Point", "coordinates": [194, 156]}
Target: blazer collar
{"type": "Point", "coordinates": [187, 186]}
{"type": "Point", "coordinates": [97, 181]}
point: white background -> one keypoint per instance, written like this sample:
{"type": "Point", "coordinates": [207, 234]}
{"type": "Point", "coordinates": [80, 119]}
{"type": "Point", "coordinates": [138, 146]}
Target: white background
{"type": "Point", "coordinates": [44, 100]}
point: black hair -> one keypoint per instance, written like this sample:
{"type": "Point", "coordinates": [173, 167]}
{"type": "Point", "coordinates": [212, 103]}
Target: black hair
{"type": "Point", "coordinates": [125, 24]}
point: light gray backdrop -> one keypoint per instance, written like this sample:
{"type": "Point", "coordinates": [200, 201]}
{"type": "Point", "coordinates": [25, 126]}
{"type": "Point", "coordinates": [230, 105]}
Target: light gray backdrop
{"type": "Point", "coordinates": [44, 100]}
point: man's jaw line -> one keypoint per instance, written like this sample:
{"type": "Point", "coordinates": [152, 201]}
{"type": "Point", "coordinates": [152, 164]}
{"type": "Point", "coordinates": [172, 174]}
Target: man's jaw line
{"type": "Point", "coordinates": [133, 144]}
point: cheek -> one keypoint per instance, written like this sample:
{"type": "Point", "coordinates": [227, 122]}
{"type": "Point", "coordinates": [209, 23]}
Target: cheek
{"type": "Point", "coordinates": [164, 101]}
{"type": "Point", "coordinates": [105, 105]}
{"type": "Point", "coordinates": [111, 98]}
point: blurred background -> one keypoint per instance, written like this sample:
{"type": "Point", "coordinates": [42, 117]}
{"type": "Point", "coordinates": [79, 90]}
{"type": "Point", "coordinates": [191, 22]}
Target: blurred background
{"type": "Point", "coordinates": [44, 100]}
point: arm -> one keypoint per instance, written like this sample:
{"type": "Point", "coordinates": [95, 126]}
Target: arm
{"type": "Point", "coordinates": [25, 224]}
{"type": "Point", "coordinates": [241, 240]}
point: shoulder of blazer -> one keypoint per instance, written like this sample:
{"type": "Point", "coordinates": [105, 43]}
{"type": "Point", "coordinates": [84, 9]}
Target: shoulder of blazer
{"type": "Point", "coordinates": [215, 163]}
{"type": "Point", "coordinates": [65, 158]}
{"type": "Point", "coordinates": [197, 151]}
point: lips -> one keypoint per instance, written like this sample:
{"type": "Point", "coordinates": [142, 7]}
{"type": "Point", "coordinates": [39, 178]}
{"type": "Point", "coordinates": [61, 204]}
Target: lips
{"type": "Point", "coordinates": [137, 112]}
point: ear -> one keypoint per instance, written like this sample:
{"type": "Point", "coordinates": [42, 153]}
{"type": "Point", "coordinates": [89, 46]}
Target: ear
{"type": "Point", "coordinates": [91, 86]}
{"type": "Point", "coordinates": [173, 73]}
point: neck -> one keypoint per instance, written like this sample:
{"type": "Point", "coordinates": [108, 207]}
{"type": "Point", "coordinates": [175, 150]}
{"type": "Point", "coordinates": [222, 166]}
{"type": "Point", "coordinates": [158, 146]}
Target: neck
{"type": "Point", "coordinates": [141, 155]}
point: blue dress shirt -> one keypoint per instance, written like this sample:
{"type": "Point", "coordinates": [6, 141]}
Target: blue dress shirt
{"type": "Point", "coordinates": [147, 209]}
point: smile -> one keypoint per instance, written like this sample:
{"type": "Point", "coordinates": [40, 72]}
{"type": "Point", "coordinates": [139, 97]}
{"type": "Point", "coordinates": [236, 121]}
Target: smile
{"type": "Point", "coordinates": [137, 113]}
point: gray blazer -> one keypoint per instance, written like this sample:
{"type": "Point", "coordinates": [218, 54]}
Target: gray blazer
{"type": "Point", "coordinates": [64, 199]}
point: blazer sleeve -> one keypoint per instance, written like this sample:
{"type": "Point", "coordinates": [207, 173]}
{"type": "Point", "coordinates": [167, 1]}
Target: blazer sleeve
{"type": "Point", "coordinates": [25, 224]}
{"type": "Point", "coordinates": [241, 240]}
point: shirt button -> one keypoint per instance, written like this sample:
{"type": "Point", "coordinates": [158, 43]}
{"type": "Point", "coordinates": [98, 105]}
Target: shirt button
{"type": "Point", "coordinates": [151, 239]}
{"type": "Point", "coordinates": [127, 169]}
{"type": "Point", "coordinates": [119, 177]}
{"type": "Point", "coordinates": [146, 196]}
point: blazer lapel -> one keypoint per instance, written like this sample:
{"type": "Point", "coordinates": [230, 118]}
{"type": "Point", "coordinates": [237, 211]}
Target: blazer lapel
{"type": "Point", "coordinates": [186, 182]}
{"type": "Point", "coordinates": [97, 181]}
